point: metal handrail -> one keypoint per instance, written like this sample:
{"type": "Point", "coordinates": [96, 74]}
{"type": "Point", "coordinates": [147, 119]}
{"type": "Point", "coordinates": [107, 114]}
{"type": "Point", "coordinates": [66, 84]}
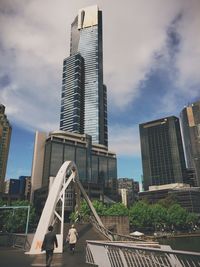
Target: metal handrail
{"type": "Point", "coordinates": [117, 254]}
{"type": "Point", "coordinates": [114, 236]}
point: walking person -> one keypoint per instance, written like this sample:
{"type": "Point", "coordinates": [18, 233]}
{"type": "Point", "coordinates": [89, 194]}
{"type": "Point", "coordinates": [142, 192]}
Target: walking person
{"type": "Point", "coordinates": [72, 238]}
{"type": "Point", "coordinates": [48, 244]}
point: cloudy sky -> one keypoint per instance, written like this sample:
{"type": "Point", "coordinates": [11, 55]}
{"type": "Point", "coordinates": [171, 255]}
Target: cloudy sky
{"type": "Point", "coordinates": [151, 69]}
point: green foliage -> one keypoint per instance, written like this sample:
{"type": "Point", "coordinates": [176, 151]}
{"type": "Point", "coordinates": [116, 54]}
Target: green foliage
{"type": "Point", "coordinates": [168, 201]}
{"type": "Point", "coordinates": [166, 214]}
{"type": "Point", "coordinates": [192, 219]}
{"type": "Point", "coordinates": [140, 215]}
{"type": "Point", "coordinates": [158, 215]}
{"type": "Point", "coordinates": [84, 212]}
{"type": "Point", "coordinates": [99, 207]}
{"type": "Point", "coordinates": [14, 220]}
{"type": "Point", "coordinates": [177, 216]}
{"type": "Point", "coordinates": [116, 209]}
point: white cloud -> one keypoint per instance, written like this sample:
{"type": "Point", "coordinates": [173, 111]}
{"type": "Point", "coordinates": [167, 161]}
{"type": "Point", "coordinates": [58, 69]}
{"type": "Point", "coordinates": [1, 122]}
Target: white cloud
{"type": "Point", "coordinates": [35, 37]}
{"type": "Point", "coordinates": [124, 140]}
{"type": "Point", "coordinates": [188, 58]}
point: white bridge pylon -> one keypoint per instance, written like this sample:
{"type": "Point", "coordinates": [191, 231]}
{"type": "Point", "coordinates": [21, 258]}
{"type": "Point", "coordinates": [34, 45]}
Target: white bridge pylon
{"type": "Point", "coordinates": [68, 173]}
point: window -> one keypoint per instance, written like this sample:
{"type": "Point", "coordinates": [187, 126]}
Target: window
{"type": "Point", "coordinates": [76, 111]}
{"type": "Point", "coordinates": [75, 119]}
{"type": "Point", "coordinates": [76, 97]}
{"type": "Point", "coordinates": [56, 158]}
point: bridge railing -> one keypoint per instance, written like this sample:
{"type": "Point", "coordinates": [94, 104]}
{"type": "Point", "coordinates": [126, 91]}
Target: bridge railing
{"type": "Point", "coordinates": [15, 240]}
{"type": "Point", "coordinates": [115, 236]}
{"type": "Point", "coordinates": [124, 254]}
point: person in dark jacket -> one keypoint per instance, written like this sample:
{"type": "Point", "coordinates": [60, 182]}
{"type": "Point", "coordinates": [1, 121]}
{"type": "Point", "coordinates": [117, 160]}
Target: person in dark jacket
{"type": "Point", "coordinates": [48, 244]}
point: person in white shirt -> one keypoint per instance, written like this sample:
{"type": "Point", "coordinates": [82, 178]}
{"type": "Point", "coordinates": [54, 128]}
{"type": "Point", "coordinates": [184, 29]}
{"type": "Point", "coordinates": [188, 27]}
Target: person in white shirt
{"type": "Point", "coordinates": [72, 238]}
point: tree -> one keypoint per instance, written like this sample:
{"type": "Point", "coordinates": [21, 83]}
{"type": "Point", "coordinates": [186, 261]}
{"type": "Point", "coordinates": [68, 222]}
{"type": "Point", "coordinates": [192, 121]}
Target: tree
{"type": "Point", "coordinates": [177, 216]}
{"type": "Point", "coordinates": [168, 201]}
{"type": "Point", "coordinates": [159, 216]}
{"type": "Point", "coordinates": [140, 215]}
{"type": "Point", "coordinates": [99, 207]}
{"type": "Point", "coordinates": [117, 209]}
{"type": "Point", "coordinates": [192, 220]}
{"type": "Point", "coordinates": [14, 220]}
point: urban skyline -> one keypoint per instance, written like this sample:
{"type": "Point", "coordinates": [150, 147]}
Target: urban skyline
{"type": "Point", "coordinates": [148, 81]}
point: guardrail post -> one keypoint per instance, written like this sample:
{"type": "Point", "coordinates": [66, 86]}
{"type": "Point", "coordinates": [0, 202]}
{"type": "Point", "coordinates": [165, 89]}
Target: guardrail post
{"type": "Point", "coordinates": [123, 258]}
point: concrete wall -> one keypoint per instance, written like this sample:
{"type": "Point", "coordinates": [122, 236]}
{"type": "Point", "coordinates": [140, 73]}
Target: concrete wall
{"type": "Point", "coordinates": [118, 224]}
{"type": "Point", "coordinates": [38, 162]}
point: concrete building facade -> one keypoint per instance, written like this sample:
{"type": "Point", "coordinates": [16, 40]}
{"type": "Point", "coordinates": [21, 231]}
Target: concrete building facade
{"type": "Point", "coordinates": [5, 135]}
{"type": "Point", "coordinates": [188, 197]}
{"type": "Point", "coordinates": [128, 190]}
{"type": "Point", "coordinates": [190, 124]}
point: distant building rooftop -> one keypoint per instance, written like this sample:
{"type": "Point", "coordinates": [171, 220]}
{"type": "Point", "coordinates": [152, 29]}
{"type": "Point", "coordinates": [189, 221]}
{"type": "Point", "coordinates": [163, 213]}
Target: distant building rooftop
{"type": "Point", "coordinates": [168, 186]}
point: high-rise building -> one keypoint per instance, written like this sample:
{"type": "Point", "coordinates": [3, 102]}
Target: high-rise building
{"type": "Point", "coordinates": [163, 159]}
{"type": "Point", "coordinates": [186, 196]}
{"type": "Point", "coordinates": [96, 165]}
{"type": "Point", "coordinates": [84, 96]}
{"type": "Point", "coordinates": [190, 124]}
{"type": "Point", "coordinates": [128, 190]}
{"type": "Point", "coordinates": [82, 137]}
{"type": "Point", "coordinates": [5, 134]}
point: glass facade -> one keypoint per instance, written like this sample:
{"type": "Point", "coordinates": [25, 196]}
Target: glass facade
{"type": "Point", "coordinates": [162, 152]}
{"type": "Point", "coordinates": [69, 152]}
{"type": "Point", "coordinates": [96, 165]}
{"type": "Point", "coordinates": [95, 169]}
{"type": "Point", "coordinates": [81, 162]}
{"type": "Point", "coordinates": [5, 135]}
{"type": "Point", "coordinates": [57, 151]}
{"type": "Point", "coordinates": [72, 104]}
{"type": "Point", "coordinates": [56, 158]}
{"type": "Point", "coordinates": [103, 168]}
{"type": "Point", "coordinates": [190, 123]}
{"type": "Point", "coordinates": [84, 96]}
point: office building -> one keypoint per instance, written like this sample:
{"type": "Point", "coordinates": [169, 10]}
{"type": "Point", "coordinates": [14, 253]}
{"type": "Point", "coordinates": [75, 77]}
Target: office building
{"type": "Point", "coordinates": [162, 152]}
{"type": "Point", "coordinates": [5, 135]}
{"type": "Point", "coordinates": [12, 187]}
{"type": "Point", "coordinates": [190, 124]}
{"type": "Point", "coordinates": [186, 196]}
{"type": "Point", "coordinates": [25, 187]}
{"type": "Point", "coordinates": [17, 189]}
{"type": "Point", "coordinates": [82, 137]}
{"type": "Point", "coordinates": [96, 165]}
{"type": "Point", "coordinates": [128, 190]}
{"type": "Point", "coordinates": [84, 96]}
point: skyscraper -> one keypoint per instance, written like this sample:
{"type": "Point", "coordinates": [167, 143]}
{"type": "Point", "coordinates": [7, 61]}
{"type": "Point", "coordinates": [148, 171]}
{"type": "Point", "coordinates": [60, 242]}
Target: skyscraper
{"type": "Point", "coordinates": [190, 123]}
{"type": "Point", "coordinates": [84, 96]}
{"type": "Point", "coordinates": [162, 152]}
{"type": "Point", "coordinates": [5, 134]}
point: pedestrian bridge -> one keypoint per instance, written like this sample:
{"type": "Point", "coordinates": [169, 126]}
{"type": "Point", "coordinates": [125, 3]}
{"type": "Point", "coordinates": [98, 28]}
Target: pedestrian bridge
{"type": "Point", "coordinates": [102, 248]}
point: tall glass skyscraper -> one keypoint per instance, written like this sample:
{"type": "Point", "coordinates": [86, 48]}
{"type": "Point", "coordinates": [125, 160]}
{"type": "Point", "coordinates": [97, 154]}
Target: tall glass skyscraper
{"type": "Point", "coordinates": [84, 96]}
{"type": "Point", "coordinates": [163, 159]}
{"type": "Point", "coordinates": [190, 123]}
{"type": "Point", "coordinates": [5, 134]}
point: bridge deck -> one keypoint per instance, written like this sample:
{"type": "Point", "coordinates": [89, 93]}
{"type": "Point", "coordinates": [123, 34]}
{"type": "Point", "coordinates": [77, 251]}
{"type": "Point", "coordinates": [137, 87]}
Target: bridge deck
{"type": "Point", "coordinates": [11, 257]}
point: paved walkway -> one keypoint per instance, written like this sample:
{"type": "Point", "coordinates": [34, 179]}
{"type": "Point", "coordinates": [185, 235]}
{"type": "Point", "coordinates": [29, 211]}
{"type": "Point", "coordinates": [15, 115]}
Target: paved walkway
{"type": "Point", "coordinates": [10, 257]}
{"type": "Point", "coordinates": [17, 258]}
